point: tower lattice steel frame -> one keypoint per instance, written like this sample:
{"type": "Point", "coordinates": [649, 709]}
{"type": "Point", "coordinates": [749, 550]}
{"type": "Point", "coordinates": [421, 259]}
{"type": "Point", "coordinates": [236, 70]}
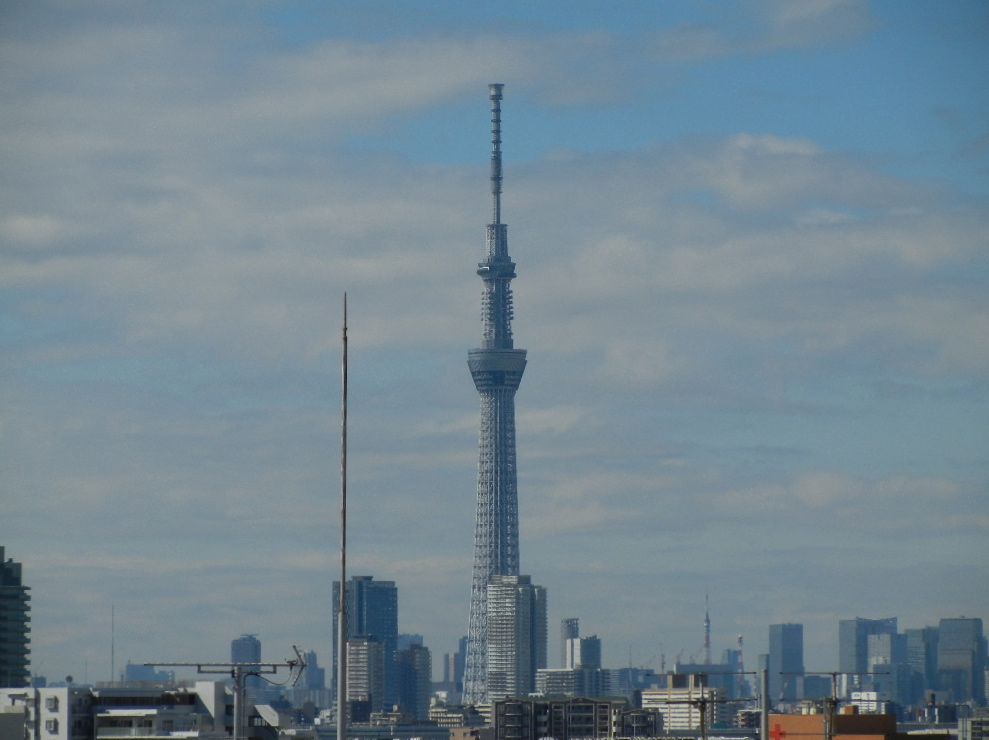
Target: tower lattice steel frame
{"type": "Point", "coordinates": [496, 367]}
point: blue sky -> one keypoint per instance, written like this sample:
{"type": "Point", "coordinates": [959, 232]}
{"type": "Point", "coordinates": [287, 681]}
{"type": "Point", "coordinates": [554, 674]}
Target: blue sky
{"type": "Point", "coordinates": [751, 246]}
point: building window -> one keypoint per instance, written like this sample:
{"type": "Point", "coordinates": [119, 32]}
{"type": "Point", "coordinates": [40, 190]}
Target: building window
{"type": "Point", "coordinates": [51, 725]}
{"type": "Point", "coordinates": [51, 703]}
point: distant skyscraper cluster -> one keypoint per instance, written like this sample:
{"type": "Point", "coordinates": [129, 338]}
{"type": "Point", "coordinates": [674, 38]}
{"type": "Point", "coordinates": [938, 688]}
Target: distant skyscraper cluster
{"type": "Point", "coordinates": [947, 662]}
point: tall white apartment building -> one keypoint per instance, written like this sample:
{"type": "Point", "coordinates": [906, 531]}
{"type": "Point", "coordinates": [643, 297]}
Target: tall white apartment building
{"type": "Point", "coordinates": [516, 636]}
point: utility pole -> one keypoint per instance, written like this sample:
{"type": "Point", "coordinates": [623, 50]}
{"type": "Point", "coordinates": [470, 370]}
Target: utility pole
{"type": "Point", "coordinates": [764, 704]}
{"type": "Point", "coordinates": [239, 672]}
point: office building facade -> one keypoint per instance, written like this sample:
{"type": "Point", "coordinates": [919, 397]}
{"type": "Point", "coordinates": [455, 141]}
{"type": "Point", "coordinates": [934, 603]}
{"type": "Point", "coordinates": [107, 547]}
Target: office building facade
{"type": "Point", "coordinates": [372, 611]}
{"type": "Point", "coordinates": [583, 652]}
{"type": "Point", "coordinates": [415, 680]}
{"type": "Point", "coordinates": [961, 659]}
{"type": "Point", "coordinates": [853, 643]}
{"type": "Point", "coordinates": [786, 662]}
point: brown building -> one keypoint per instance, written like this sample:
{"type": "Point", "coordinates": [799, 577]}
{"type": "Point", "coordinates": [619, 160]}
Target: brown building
{"type": "Point", "coordinates": [847, 726]}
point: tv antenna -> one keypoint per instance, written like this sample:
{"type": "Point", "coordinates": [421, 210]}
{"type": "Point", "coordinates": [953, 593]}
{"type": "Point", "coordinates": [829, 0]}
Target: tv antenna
{"type": "Point", "coordinates": [239, 672]}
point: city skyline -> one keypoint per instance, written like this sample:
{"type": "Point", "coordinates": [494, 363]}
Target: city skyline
{"type": "Point", "coordinates": [755, 253]}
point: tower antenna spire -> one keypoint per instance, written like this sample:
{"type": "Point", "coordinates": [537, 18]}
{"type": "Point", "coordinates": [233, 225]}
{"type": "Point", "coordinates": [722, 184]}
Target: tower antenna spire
{"type": "Point", "coordinates": [494, 93]}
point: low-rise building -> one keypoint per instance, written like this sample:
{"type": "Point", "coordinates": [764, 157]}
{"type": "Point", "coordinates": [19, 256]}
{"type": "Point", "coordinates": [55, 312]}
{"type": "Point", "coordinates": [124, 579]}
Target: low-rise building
{"type": "Point", "coordinates": [83, 713]}
{"type": "Point", "coordinates": [568, 718]}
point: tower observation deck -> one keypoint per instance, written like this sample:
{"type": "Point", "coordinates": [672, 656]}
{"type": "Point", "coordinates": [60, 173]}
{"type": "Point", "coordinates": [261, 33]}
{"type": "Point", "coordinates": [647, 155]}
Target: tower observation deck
{"type": "Point", "coordinates": [496, 367]}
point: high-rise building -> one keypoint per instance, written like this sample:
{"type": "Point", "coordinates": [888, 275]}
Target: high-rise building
{"type": "Point", "coordinates": [407, 640]}
{"type": "Point", "coordinates": [961, 659]}
{"type": "Point", "coordinates": [496, 368]}
{"type": "Point", "coordinates": [516, 639]}
{"type": "Point", "coordinates": [315, 677]}
{"type": "Point", "coordinates": [453, 671]}
{"type": "Point", "coordinates": [570, 681]}
{"type": "Point", "coordinates": [569, 629]}
{"type": "Point", "coordinates": [713, 675]}
{"type": "Point", "coordinates": [786, 661]}
{"type": "Point", "coordinates": [15, 627]}
{"type": "Point", "coordinates": [372, 611]}
{"type": "Point", "coordinates": [140, 673]}
{"type": "Point", "coordinates": [460, 663]}
{"type": "Point", "coordinates": [247, 649]}
{"type": "Point", "coordinates": [415, 679]}
{"type": "Point", "coordinates": [886, 649]}
{"type": "Point", "coordinates": [922, 656]}
{"type": "Point", "coordinates": [583, 652]}
{"type": "Point", "coordinates": [853, 642]}
{"type": "Point", "coordinates": [366, 671]}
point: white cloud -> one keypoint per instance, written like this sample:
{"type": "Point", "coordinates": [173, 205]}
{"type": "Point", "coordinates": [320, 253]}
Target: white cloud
{"type": "Point", "coordinates": [769, 27]}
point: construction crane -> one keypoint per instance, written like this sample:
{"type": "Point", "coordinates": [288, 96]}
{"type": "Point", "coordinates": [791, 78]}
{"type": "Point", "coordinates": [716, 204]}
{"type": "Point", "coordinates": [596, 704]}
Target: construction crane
{"type": "Point", "coordinates": [239, 672]}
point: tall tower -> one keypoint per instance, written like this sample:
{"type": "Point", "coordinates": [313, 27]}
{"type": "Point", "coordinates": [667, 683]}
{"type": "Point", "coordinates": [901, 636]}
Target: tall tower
{"type": "Point", "coordinates": [496, 367]}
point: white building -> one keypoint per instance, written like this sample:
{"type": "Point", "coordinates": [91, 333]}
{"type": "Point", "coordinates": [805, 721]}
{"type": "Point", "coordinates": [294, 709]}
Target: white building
{"type": "Point", "coordinates": [84, 713]}
{"type": "Point", "coordinates": [681, 708]}
{"type": "Point", "coordinates": [516, 638]}
{"type": "Point", "coordinates": [366, 671]}
{"type": "Point", "coordinates": [57, 713]}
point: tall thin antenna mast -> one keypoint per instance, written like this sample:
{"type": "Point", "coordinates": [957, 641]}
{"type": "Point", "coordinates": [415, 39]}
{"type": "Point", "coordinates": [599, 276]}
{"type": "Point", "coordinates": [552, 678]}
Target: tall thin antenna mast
{"type": "Point", "coordinates": [707, 631]}
{"type": "Point", "coordinates": [494, 93]}
{"type": "Point", "coordinates": [113, 662]}
{"type": "Point", "coordinates": [342, 606]}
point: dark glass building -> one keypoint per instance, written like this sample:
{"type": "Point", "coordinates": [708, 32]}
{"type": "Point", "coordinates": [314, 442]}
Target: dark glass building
{"type": "Point", "coordinates": [786, 661]}
{"type": "Point", "coordinates": [14, 625]}
{"type": "Point", "coordinates": [372, 611]}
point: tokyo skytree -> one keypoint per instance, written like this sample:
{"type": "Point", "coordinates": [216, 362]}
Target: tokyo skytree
{"type": "Point", "coordinates": [496, 367]}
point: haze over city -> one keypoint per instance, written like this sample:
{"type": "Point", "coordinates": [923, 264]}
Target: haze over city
{"type": "Point", "coordinates": [752, 282]}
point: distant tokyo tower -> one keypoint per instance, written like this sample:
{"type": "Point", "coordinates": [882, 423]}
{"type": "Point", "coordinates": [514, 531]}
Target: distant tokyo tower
{"type": "Point", "coordinates": [496, 368]}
